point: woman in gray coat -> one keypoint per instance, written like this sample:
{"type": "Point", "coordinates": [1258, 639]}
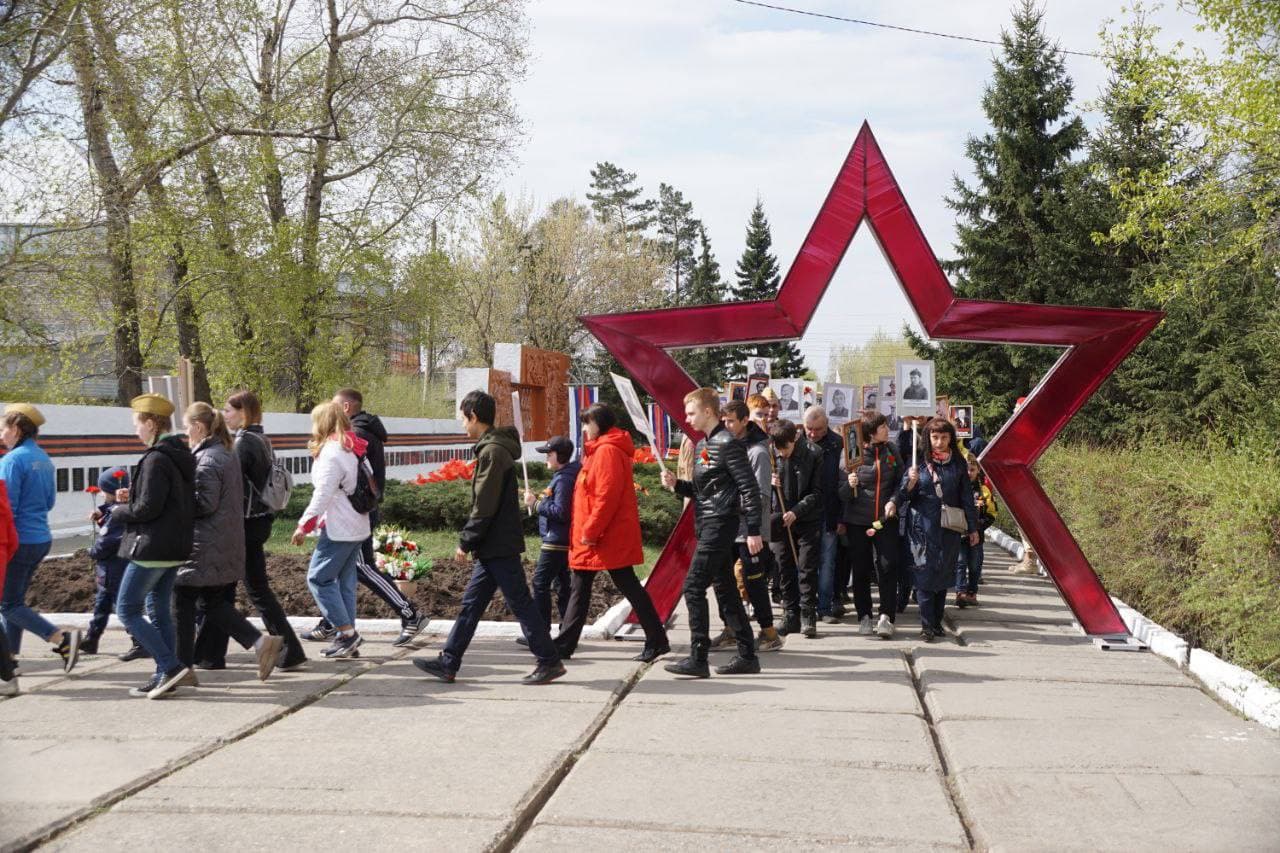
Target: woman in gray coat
{"type": "Point", "coordinates": [217, 560]}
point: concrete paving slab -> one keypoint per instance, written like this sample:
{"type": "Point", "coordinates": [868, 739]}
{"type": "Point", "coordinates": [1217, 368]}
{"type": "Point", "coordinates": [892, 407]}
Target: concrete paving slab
{"type": "Point", "coordinates": [1028, 638]}
{"type": "Point", "coordinates": [1119, 811]}
{"type": "Point", "coordinates": [494, 670]}
{"type": "Point", "coordinates": [771, 734]}
{"type": "Point", "coordinates": [440, 756]}
{"type": "Point", "coordinates": [939, 664]}
{"type": "Point", "coordinates": [22, 823]}
{"type": "Point", "coordinates": [551, 837]}
{"type": "Point", "coordinates": [275, 830]}
{"type": "Point", "coordinates": [1223, 745]}
{"type": "Point", "coordinates": [43, 766]}
{"type": "Point", "coordinates": [691, 795]}
{"type": "Point", "coordinates": [839, 676]}
{"type": "Point", "coordinates": [1050, 701]}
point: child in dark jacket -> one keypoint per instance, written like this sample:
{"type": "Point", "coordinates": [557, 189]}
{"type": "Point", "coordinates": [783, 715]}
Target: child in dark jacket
{"type": "Point", "coordinates": [108, 568]}
{"type": "Point", "coordinates": [969, 566]}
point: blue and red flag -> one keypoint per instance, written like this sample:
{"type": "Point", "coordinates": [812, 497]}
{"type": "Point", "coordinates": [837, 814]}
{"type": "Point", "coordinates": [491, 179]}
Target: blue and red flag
{"type": "Point", "coordinates": [580, 397]}
{"type": "Point", "coordinates": [660, 423]}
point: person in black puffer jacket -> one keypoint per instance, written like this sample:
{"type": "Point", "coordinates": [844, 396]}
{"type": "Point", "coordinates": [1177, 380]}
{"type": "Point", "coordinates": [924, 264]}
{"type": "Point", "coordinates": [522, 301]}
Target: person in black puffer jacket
{"type": "Point", "coordinates": [870, 529]}
{"type": "Point", "coordinates": [797, 519]}
{"type": "Point", "coordinates": [159, 519]}
{"type": "Point", "coordinates": [723, 486]}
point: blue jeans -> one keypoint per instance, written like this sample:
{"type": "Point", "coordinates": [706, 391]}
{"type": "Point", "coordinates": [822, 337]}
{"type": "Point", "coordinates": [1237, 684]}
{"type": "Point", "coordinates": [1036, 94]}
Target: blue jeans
{"type": "Point", "coordinates": [150, 591]}
{"type": "Point", "coordinates": [332, 579]}
{"type": "Point", "coordinates": [827, 572]}
{"type": "Point", "coordinates": [18, 617]}
{"type": "Point", "coordinates": [108, 574]}
{"type": "Point", "coordinates": [488, 576]}
{"type": "Point", "coordinates": [551, 574]}
{"type": "Point", "coordinates": [969, 567]}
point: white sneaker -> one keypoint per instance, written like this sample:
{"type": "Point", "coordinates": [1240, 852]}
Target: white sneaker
{"type": "Point", "coordinates": [884, 627]}
{"type": "Point", "coordinates": [864, 627]}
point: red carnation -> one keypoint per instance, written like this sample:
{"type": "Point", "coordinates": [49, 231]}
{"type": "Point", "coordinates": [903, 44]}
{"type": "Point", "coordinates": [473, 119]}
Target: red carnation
{"type": "Point", "coordinates": [119, 473]}
{"type": "Point", "coordinates": [93, 490]}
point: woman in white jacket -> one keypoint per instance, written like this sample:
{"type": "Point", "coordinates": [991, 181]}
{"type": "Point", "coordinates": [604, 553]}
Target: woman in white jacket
{"type": "Point", "coordinates": [332, 574]}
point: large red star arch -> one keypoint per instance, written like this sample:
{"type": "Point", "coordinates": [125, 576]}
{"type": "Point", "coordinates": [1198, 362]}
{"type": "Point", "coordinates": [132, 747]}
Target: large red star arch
{"type": "Point", "coordinates": [1096, 341]}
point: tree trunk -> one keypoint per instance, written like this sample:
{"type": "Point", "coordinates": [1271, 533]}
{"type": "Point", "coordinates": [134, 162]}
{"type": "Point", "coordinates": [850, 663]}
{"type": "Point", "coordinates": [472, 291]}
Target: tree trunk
{"type": "Point", "coordinates": [124, 298]}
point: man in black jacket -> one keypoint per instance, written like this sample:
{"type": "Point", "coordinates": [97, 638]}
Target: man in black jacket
{"type": "Point", "coordinates": [370, 428]}
{"type": "Point", "coordinates": [723, 487]}
{"type": "Point", "coordinates": [494, 537]}
{"type": "Point", "coordinates": [798, 511]}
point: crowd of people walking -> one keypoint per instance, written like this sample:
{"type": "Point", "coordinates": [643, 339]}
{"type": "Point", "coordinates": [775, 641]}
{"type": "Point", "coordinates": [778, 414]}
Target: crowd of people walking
{"type": "Point", "coordinates": [789, 530]}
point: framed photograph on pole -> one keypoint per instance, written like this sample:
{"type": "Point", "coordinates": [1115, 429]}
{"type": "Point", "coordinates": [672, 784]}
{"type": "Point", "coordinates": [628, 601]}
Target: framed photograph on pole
{"type": "Point", "coordinates": [839, 402]}
{"type": "Point", "coordinates": [915, 381]}
{"type": "Point", "coordinates": [757, 368]}
{"type": "Point", "coordinates": [789, 393]}
{"type": "Point", "coordinates": [962, 418]}
{"type": "Point", "coordinates": [738, 391]}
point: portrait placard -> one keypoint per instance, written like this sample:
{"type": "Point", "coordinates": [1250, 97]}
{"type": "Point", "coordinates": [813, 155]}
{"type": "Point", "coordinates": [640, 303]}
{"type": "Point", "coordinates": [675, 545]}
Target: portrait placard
{"type": "Point", "coordinates": [915, 387]}
{"type": "Point", "coordinates": [757, 368]}
{"type": "Point", "coordinates": [790, 393]}
{"type": "Point", "coordinates": [962, 418]}
{"type": "Point", "coordinates": [738, 391]}
{"type": "Point", "coordinates": [838, 400]}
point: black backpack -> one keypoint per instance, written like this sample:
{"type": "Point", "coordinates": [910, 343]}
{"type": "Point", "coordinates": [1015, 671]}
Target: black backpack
{"type": "Point", "coordinates": [364, 499]}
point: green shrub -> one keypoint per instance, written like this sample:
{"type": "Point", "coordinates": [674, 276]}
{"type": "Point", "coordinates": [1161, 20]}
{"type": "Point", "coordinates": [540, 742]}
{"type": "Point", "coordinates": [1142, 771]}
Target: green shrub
{"type": "Point", "coordinates": [446, 506]}
{"type": "Point", "coordinates": [1189, 535]}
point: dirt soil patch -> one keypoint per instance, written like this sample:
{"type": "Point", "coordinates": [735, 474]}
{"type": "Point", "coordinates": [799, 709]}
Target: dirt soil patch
{"type": "Point", "coordinates": [66, 585]}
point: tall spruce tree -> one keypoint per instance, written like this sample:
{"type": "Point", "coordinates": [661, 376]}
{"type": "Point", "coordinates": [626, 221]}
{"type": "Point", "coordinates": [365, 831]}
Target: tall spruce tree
{"type": "Point", "coordinates": [677, 235]}
{"type": "Point", "coordinates": [758, 279]}
{"type": "Point", "coordinates": [709, 366]}
{"type": "Point", "coordinates": [616, 201]}
{"type": "Point", "coordinates": [1009, 221]}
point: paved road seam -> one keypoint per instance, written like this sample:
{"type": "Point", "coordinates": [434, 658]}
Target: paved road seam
{"type": "Point", "coordinates": [949, 780]}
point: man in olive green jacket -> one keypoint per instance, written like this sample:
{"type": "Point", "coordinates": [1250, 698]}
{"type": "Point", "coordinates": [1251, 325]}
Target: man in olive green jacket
{"type": "Point", "coordinates": [494, 537]}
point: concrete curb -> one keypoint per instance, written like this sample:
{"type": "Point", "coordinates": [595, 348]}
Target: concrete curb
{"type": "Point", "coordinates": [1248, 693]}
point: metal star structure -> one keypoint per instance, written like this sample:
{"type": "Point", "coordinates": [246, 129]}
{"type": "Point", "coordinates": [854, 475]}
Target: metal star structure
{"type": "Point", "coordinates": [1096, 341]}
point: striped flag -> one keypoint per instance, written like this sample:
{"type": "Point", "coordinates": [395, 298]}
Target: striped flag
{"type": "Point", "coordinates": [660, 423]}
{"type": "Point", "coordinates": [580, 397]}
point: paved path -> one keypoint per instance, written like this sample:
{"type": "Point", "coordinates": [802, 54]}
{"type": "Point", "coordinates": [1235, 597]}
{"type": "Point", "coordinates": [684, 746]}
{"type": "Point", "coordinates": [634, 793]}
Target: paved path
{"type": "Point", "coordinates": [1017, 735]}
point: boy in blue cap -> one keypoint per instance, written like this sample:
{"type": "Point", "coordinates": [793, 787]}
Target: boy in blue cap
{"type": "Point", "coordinates": [108, 567]}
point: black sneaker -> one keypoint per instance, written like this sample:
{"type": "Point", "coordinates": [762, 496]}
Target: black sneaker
{"type": "Point", "coordinates": [168, 681]}
{"type": "Point", "coordinates": [210, 664]}
{"type": "Point", "coordinates": [285, 663]}
{"type": "Point", "coordinates": [8, 668]}
{"type": "Point", "coordinates": [650, 654]}
{"type": "Point", "coordinates": [411, 627]}
{"type": "Point", "coordinates": [144, 690]}
{"type": "Point", "coordinates": [739, 666]}
{"type": "Point", "coordinates": [544, 674]}
{"type": "Point", "coordinates": [926, 636]}
{"type": "Point", "coordinates": [690, 667]}
{"type": "Point", "coordinates": [321, 632]}
{"type": "Point", "coordinates": [522, 640]}
{"type": "Point", "coordinates": [135, 652]}
{"type": "Point", "coordinates": [436, 667]}
{"type": "Point", "coordinates": [69, 649]}
{"type": "Point", "coordinates": [89, 644]}
{"type": "Point", "coordinates": [344, 646]}
{"type": "Point", "coordinates": [810, 629]}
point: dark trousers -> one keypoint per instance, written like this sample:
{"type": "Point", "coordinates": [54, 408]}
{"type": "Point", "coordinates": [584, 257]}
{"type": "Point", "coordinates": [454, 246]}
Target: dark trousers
{"type": "Point", "coordinates": [755, 577]}
{"type": "Point", "coordinates": [931, 603]}
{"type": "Point", "coordinates": [969, 567]}
{"type": "Point", "coordinates": [210, 604]}
{"type": "Point", "coordinates": [575, 616]}
{"type": "Point", "coordinates": [552, 574]}
{"type": "Point", "coordinates": [799, 581]}
{"type": "Point", "coordinates": [487, 577]}
{"type": "Point", "coordinates": [844, 570]}
{"type": "Point", "coordinates": [106, 575]}
{"type": "Point", "coordinates": [212, 646]}
{"type": "Point", "coordinates": [905, 561]}
{"type": "Point", "coordinates": [712, 566]}
{"type": "Point", "coordinates": [874, 555]}
{"type": "Point", "coordinates": [375, 581]}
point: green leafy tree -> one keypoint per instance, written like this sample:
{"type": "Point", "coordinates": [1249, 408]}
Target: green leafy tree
{"type": "Point", "coordinates": [617, 201]}
{"type": "Point", "coordinates": [677, 233]}
{"type": "Point", "coordinates": [709, 366]}
{"type": "Point", "coordinates": [758, 279]}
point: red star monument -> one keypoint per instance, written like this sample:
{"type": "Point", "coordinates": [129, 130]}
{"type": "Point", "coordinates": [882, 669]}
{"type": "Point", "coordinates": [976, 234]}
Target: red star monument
{"type": "Point", "coordinates": [1096, 340]}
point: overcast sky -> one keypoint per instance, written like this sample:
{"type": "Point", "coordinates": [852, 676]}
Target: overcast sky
{"type": "Point", "coordinates": [727, 102]}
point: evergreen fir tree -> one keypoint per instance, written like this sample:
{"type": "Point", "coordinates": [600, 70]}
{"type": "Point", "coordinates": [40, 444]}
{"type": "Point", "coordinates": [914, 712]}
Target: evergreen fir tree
{"type": "Point", "coordinates": [709, 366]}
{"type": "Point", "coordinates": [1009, 221]}
{"type": "Point", "coordinates": [677, 233]}
{"type": "Point", "coordinates": [616, 201]}
{"type": "Point", "coordinates": [758, 279]}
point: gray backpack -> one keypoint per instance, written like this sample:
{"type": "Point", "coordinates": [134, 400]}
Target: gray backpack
{"type": "Point", "coordinates": [275, 492]}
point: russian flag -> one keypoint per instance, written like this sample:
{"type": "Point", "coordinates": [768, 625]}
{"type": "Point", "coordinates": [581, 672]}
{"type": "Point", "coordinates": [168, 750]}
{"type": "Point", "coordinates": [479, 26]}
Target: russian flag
{"type": "Point", "coordinates": [660, 423]}
{"type": "Point", "coordinates": [580, 397]}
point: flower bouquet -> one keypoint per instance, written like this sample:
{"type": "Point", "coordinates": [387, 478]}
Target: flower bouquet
{"type": "Point", "coordinates": [398, 557]}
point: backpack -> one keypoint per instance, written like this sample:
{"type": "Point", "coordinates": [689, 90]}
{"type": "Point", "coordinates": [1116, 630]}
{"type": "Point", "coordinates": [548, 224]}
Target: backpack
{"type": "Point", "coordinates": [275, 493]}
{"type": "Point", "coordinates": [364, 498]}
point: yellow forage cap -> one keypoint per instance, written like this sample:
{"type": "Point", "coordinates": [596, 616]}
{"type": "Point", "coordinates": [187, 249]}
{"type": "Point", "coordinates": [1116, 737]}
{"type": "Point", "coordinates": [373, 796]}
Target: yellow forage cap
{"type": "Point", "coordinates": [152, 404]}
{"type": "Point", "coordinates": [32, 413]}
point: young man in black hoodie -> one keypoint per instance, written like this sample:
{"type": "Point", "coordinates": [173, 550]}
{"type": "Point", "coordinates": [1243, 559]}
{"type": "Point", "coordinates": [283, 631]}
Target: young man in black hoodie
{"type": "Point", "coordinates": [370, 428]}
{"type": "Point", "coordinates": [494, 537]}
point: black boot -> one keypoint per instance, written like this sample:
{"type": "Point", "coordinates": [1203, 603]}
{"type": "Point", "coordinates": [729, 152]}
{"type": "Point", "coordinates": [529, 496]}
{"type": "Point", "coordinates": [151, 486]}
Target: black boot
{"type": "Point", "coordinates": [89, 644]}
{"type": "Point", "coordinates": [690, 666]}
{"type": "Point", "coordinates": [135, 652]}
{"type": "Point", "coordinates": [652, 653]}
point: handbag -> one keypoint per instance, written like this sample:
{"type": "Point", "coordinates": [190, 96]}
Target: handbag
{"type": "Point", "coordinates": [952, 516]}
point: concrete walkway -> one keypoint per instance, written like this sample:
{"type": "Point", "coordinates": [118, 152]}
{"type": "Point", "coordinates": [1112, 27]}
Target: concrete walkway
{"type": "Point", "coordinates": [1016, 734]}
